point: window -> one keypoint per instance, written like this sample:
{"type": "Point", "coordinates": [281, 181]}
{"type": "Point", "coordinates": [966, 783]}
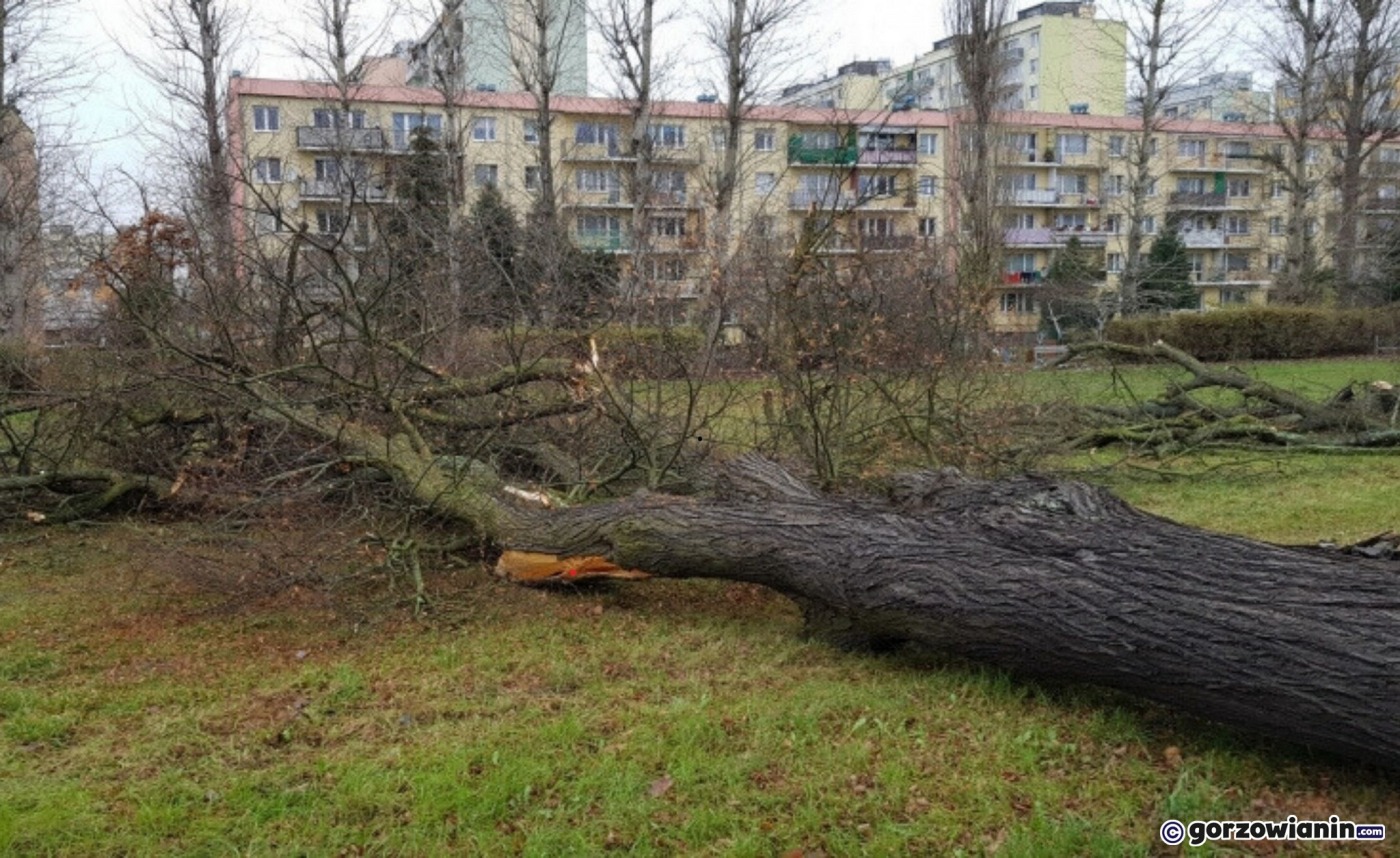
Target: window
{"type": "Point", "coordinates": [1149, 225]}
{"type": "Point", "coordinates": [268, 220]}
{"type": "Point", "coordinates": [879, 227]}
{"type": "Point", "coordinates": [595, 134]}
{"type": "Point", "coordinates": [1312, 155]}
{"type": "Point", "coordinates": [1115, 263]}
{"type": "Point", "coordinates": [928, 144]}
{"type": "Point", "coordinates": [484, 175]}
{"type": "Point", "coordinates": [484, 129]}
{"type": "Point", "coordinates": [1116, 146]}
{"type": "Point", "coordinates": [1019, 220]}
{"type": "Point", "coordinates": [928, 227]}
{"type": "Point", "coordinates": [1034, 38]}
{"type": "Point", "coordinates": [1236, 225]}
{"type": "Point", "coordinates": [668, 227]}
{"type": "Point", "coordinates": [1017, 263]}
{"type": "Point", "coordinates": [1071, 220]}
{"type": "Point", "coordinates": [668, 136]}
{"type": "Point", "coordinates": [1032, 92]}
{"type": "Point", "coordinates": [267, 170]}
{"type": "Point", "coordinates": [405, 124]}
{"type": "Point", "coordinates": [596, 181]}
{"type": "Point", "coordinates": [1073, 144]}
{"type": "Point", "coordinates": [1275, 262]}
{"type": "Point", "coordinates": [1232, 117]}
{"type": "Point", "coordinates": [1275, 226]}
{"type": "Point", "coordinates": [764, 140]}
{"type": "Point", "coordinates": [532, 132]}
{"type": "Point", "coordinates": [1017, 302]}
{"type": "Point", "coordinates": [1073, 184]}
{"type": "Point", "coordinates": [266, 118]}
{"type": "Point", "coordinates": [1191, 186]}
{"type": "Point", "coordinates": [1115, 185]}
{"type": "Point", "coordinates": [1152, 188]}
{"type": "Point", "coordinates": [1238, 187]}
{"type": "Point", "coordinates": [876, 186]}
{"type": "Point", "coordinates": [1277, 189]}
{"type": "Point", "coordinates": [1191, 148]}
{"type": "Point", "coordinates": [817, 140]}
{"type": "Point", "coordinates": [327, 169]}
{"type": "Point", "coordinates": [597, 225]}
{"type": "Point", "coordinates": [928, 186]}
{"type": "Point", "coordinates": [1390, 156]}
{"type": "Point", "coordinates": [763, 226]}
{"type": "Point", "coordinates": [719, 139]}
{"type": "Point", "coordinates": [1237, 262]}
{"type": "Point", "coordinates": [330, 222]}
{"type": "Point", "coordinates": [764, 183]}
{"type": "Point", "coordinates": [1237, 149]}
{"type": "Point", "coordinates": [323, 117]}
{"type": "Point", "coordinates": [1113, 224]}
{"type": "Point", "coordinates": [668, 269]}
{"type": "Point", "coordinates": [532, 178]}
{"type": "Point", "coordinates": [1034, 66]}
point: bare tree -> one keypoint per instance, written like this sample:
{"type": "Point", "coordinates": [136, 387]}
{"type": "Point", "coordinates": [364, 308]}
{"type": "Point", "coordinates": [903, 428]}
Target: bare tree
{"type": "Point", "coordinates": [981, 65]}
{"type": "Point", "coordinates": [753, 42]}
{"type": "Point", "coordinates": [1364, 114]}
{"type": "Point", "coordinates": [1298, 48]}
{"type": "Point", "coordinates": [1167, 44]}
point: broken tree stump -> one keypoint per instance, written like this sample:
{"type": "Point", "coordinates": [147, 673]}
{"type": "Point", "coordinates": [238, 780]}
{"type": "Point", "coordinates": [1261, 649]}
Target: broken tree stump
{"type": "Point", "coordinates": [1047, 578]}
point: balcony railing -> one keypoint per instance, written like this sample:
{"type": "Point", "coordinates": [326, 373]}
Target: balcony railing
{"type": "Point", "coordinates": [340, 139]}
{"type": "Point", "coordinates": [341, 189]}
{"type": "Point", "coordinates": [1383, 204]}
{"type": "Point", "coordinates": [1228, 275]}
{"type": "Point", "coordinates": [831, 198]}
{"type": "Point", "coordinates": [1202, 238]}
{"type": "Point", "coordinates": [609, 241]}
{"type": "Point", "coordinates": [1035, 197]}
{"type": "Point", "coordinates": [1023, 278]}
{"type": "Point", "coordinates": [886, 242]}
{"type": "Point", "coordinates": [800, 154]}
{"type": "Point", "coordinates": [668, 198]}
{"type": "Point", "coordinates": [606, 199]}
{"type": "Point", "coordinates": [1197, 200]}
{"type": "Point", "coordinates": [880, 157]}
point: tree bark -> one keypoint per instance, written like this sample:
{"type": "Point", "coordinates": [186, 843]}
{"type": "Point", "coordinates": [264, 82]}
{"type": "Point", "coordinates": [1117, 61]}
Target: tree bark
{"type": "Point", "coordinates": [1047, 578]}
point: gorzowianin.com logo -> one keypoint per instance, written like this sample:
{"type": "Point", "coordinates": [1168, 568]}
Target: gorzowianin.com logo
{"type": "Point", "coordinates": [1199, 832]}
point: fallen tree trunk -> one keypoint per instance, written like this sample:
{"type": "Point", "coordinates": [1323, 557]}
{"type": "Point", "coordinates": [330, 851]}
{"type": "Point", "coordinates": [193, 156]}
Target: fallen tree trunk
{"type": "Point", "coordinates": [1048, 578]}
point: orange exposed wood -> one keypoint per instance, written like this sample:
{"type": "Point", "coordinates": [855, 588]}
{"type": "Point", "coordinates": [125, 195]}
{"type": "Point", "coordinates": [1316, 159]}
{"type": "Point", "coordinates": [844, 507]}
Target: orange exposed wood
{"type": "Point", "coordinates": [528, 567]}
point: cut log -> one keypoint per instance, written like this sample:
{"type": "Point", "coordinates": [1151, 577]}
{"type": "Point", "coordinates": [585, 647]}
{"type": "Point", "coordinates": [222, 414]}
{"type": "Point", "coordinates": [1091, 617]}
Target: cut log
{"type": "Point", "coordinates": [1046, 578]}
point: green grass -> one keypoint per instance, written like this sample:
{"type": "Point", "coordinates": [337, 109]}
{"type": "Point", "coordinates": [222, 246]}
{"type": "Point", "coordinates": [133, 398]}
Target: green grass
{"type": "Point", "coordinates": [154, 702]}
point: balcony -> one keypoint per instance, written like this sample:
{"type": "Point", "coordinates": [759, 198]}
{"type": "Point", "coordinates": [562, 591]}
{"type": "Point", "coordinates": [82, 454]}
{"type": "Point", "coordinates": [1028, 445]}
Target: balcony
{"type": "Point", "coordinates": [1048, 237]}
{"type": "Point", "coordinates": [599, 199]}
{"type": "Point", "coordinates": [1197, 200]}
{"type": "Point", "coordinates": [613, 242]}
{"type": "Point", "coordinates": [340, 139]}
{"type": "Point", "coordinates": [1199, 239]}
{"type": "Point", "coordinates": [342, 189]}
{"type": "Point", "coordinates": [887, 157]}
{"type": "Point", "coordinates": [830, 199]}
{"type": "Point", "coordinates": [1382, 204]}
{"type": "Point", "coordinates": [1022, 278]}
{"type": "Point", "coordinates": [1229, 275]}
{"type": "Point", "coordinates": [878, 243]}
{"type": "Point", "coordinates": [1035, 197]}
{"type": "Point", "coordinates": [800, 155]}
{"type": "Point", "coordinates": [670, 200]}
{"type": "Point", "coordinates": [1220, 163]}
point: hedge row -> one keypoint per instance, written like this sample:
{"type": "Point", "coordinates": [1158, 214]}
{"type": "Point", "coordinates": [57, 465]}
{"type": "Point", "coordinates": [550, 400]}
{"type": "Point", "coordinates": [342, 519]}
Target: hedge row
{"type": "Point", "coordinates": [1266, 333]}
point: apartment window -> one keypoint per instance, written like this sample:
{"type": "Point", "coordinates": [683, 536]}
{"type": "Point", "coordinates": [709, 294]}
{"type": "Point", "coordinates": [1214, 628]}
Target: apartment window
{"type": "Point", "coordinates": [668, 227]}
{"type": "Point", "coordinates": [595, 134]}
{"type": "Point", "coordinates": [1034, 66]}
{"type": "Point", "coordinates": [532, 178]}
{"type": "Point", "coordinates": [405, 124]}
{"type": "Point", "coordinates": [1312, 155]}
{"type": "Point", "coordinates": [1072, 220]}
{"type": "Point", "coordinates": [1275, 262]}
{"type": "Point", "coordinates": [1152, 188]}
{"type": "Point", "coordinates": [1017, 263]}
{"type": "Point", "coordinates": [1115, 263]}
{"type": "Point", "coordinates": [1074, 184]}
{"type": "Point", "coordinates": [877, 186]}
{"type": "Point", "coordinates": [1390, 156]}
{"type": "Point", "coordinates": [928, 186]}
{"type": "Point", "coordinates": [322, 117]}
{"type": "Point", "coordinates": [1191, 186]}
{"type": "Point", "coordinates": [1032, 92]}
{"type": "Point", "coordinates": [1019, 220]}
{"type": "Point", "coordinates": [266, 118]}
{"type": "Point", "coordinates": [1237, 149]}
{"type": "Point", "coordinates": [1277, 189]}
{"type": "Point", "coordinates": [330, 222]}
{"type": "Point", "coordinates": [532, 132]}
{"type": "Point", "coordinates": [1238, 187]}
{"type": "Point", "coordinates": [817, 140]}
{"type": "Point", "coordinates": [880, 227]}
{"type": "Point", "coordinates": [928, 144]}
{"type": "Point", "coordinates": [1017, 302]}
{"type": "Point", "coordinates": [671, 269]}
{"type": "Point", "coordinates": [1149, 225]}
{"type": "Point", "coordinates": [598, 225]}
{"type": "Point", "coordinates": [719, 139]}
{"type": "Point", "coordinates": [484, 129]}
{"type": "Point", "coordinates": [1236, 225]}
{"type": "Point", "coordinates": [267, 170]}
{"type": "Point", "coordinates": [326, 169]}
{"type": "Point", "coordinates": [1113, 224]}
{"type": "Point", "coordinates": [1034, 38]}
{"type": "Point", "coordinates": [668, 136]}
{"type": "Point", "coordinates": [1117, 145]}
{"type": "Point", "coordinates": [1191, 148]}
{"type": "Point", "coordinates": [1236, 262]}
{"type": "Point", "coordinates": [1275, 226]}
{"type": "Point", "coordinates": [764, 140]}
{"type": "Point", "coordinates": [763, 226]}
{"type": "Point", "coordinates": [595, 181]}
{"type": "Point", "coordinates": [928, 227]}
{"type": "Point", "coordinates": [1073, 144]}
{"type": "Point", "coordinates": [484, 175]}
{"type": "Point", "coordinates": [1115, 185]}
{"type": "Point", "coordinates": [268, 220]}
{"type": "Point", "coordinates": [764, 183]}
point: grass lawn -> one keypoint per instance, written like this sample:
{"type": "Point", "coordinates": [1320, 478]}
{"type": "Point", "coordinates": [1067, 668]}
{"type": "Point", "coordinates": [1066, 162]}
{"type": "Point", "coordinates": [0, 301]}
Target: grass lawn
{"type": "Point", "coordinates": [194, 688]}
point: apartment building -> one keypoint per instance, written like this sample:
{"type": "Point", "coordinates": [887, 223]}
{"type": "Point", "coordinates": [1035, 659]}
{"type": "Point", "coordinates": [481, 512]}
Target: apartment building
{"type": "Point", "coordinates": [885, 181]}
{"type": "Point", "coordinates": [1220, 97]}
{"type": "Point", "coordinates": [877, 175]}
{"type": "Point", "coordinates": [855, 86]}
{"type": "Point", "coordinates": [1059, 58]}
{"type": "Point", "coordinates": [493, 38]}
